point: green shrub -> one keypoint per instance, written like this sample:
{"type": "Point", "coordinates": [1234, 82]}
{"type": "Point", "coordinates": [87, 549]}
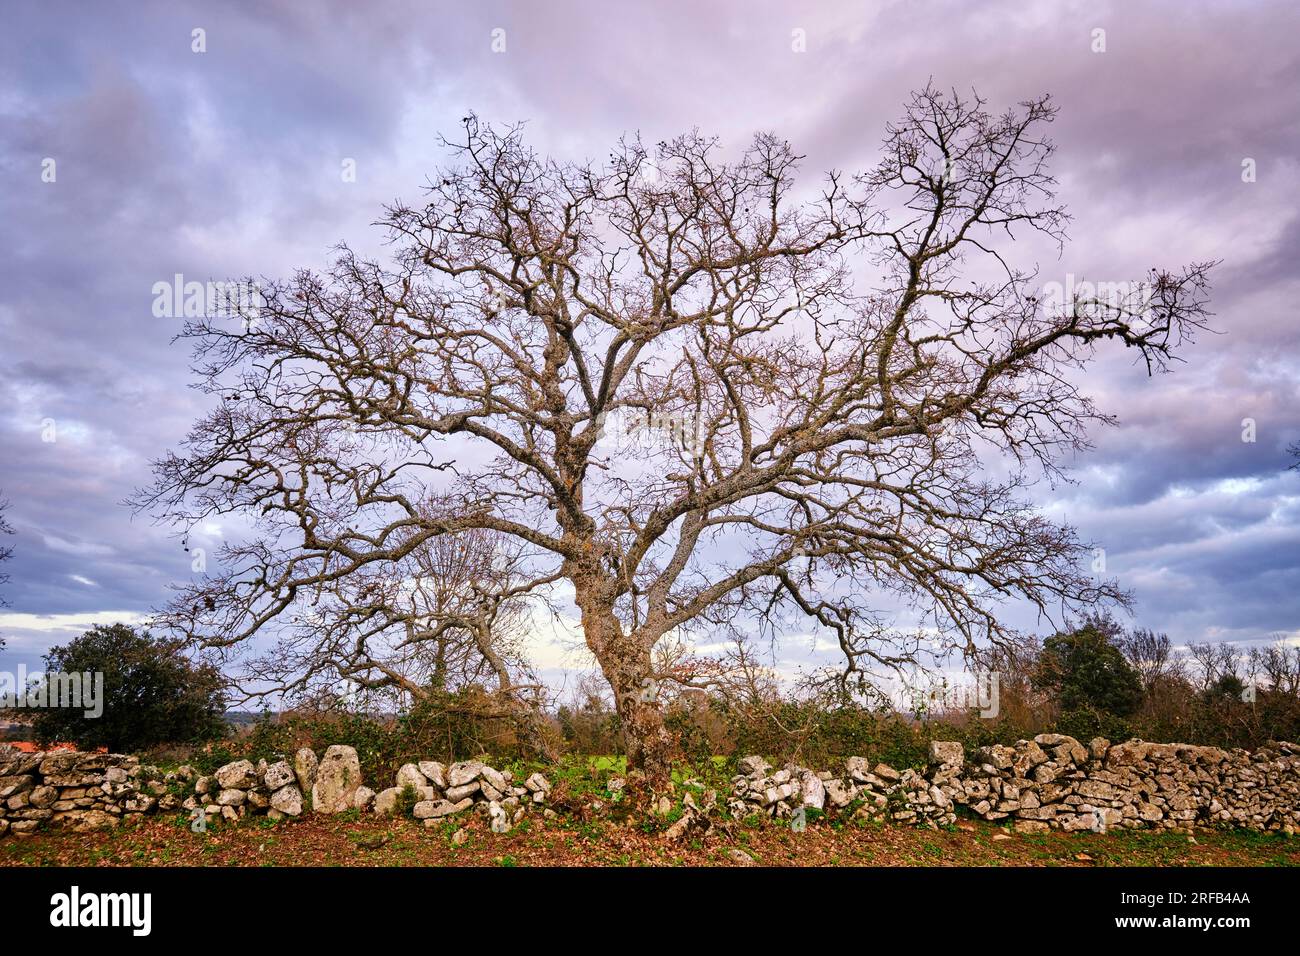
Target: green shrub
{"type": "Point", "coordinates": [1084, 670]}
{"type": "Point", "coordinates": [406, 801]}
{"type": "Point", "coordinates": [153, 693]}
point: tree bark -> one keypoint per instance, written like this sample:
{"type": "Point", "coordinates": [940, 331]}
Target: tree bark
{"type": "Point", "coordinates": [649, 746]}
{"type": "Point", "coordinates": [625, 661]}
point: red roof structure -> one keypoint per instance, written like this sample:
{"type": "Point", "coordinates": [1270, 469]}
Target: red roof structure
{"type": "Point", "coordinates": [27, 747]}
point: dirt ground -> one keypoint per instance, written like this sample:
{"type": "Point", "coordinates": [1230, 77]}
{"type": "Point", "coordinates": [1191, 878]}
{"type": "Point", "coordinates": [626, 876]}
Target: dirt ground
{"type": "Point", "coordinates": [370, 841]}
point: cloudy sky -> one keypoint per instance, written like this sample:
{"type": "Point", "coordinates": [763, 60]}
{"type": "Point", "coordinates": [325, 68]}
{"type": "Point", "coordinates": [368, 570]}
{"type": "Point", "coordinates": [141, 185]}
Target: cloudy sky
{"type": "Point", "coordinates": [227, 162]}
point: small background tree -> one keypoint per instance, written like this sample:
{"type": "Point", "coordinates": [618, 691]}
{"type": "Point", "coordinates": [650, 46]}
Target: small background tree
{"type": "Point", "coordinates": [153, 694]}
{"type": "Point", "coordinates": [1089, 677]}
{"type": "Point", "coordinates": [5, 553]}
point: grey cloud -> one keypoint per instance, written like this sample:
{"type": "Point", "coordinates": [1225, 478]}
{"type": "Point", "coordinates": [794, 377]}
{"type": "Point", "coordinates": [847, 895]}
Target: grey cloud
{"type": "Point", "coordinates": [226, 163]}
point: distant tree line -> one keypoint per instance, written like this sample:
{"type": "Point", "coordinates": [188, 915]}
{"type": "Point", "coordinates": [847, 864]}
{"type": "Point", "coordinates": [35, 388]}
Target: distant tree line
{"type": "Point", "coordinates": [1096, 678]}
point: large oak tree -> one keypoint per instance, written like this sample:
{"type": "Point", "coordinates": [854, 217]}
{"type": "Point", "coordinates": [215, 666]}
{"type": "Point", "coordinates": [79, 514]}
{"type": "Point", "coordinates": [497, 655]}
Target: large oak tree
{"type": "Point", "coordinates": [828, 372]}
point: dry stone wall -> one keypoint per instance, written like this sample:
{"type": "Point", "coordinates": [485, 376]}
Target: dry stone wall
{"type": "Point", "coordinates": [82, 791]}
{"type": "Point", "coordinates": [446, 791]}
{"type": "Point", "coordinates": [242, 788]}
{"type": "Point", "coordinates": [88, 791]}
{"type": "Point", "coordinates": [1050, 782]}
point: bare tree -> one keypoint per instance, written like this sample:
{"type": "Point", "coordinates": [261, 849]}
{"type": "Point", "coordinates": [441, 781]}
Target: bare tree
{"type": "Point", "coordinates": [435, 620]}
{"type": "Point", "coordinates": [6, 552]}
{"type": "Point", "coordinates": [1216, 664]}
{"type": "Point", "coordinates": [1150, 654]}
{"type": "Point", "coordinates": [821, 433]}
{"type": "Point", "coordinates": [447, 616]}
{"type": "Point", "coordinates": [1279, 663]}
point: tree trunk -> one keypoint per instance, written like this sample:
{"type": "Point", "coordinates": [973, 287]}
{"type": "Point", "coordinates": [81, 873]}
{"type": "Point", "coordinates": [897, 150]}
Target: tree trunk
{"type": "Point", "coordinates": [626, 665]}
{"type": "Point", "coordinates": [624, 659]}
{"type": "Point", "coordinates": [649, 745]}
{"type": "Point", "coordinates": [534, 733]}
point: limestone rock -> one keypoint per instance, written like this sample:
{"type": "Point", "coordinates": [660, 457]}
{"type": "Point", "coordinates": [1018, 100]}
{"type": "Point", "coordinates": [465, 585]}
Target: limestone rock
{"type": "Point", "coordinates": [58, 763]}
{"type": "Point", "coordinates": [278, 775]}
{"type": "Point", "coordinates": [385, 803]}
{"type": "Point", "coordinates": [409, 775]}
{"type": "Point", "coordinates": [754, 765]}
{"type": "Point", "coordinates": [436, 809]}
{"type": "Point", "coordinates": [337, 779]}
{"type": "Point", "coordinates": [304, 769]}
{"type": "Point", "coordinates": [431, 809]}
{"type": "Point", "coordinates": [838, 793]}
{"type": "Point", "coordinates": [239, 775]}
{"type": "Point", "coordinates": [946, 753]}
{"type": "Point", "coordinates": [813, 790]}
{"type": "Point", "coordinates": [287, 801]}
{"type": "Point", "coordinates": [140, 803]}
{"type": "Point", "coordinates": [455, 793]}
{"type": "Point", "coordinates": [460, 774]}
{"type": "Point", "coordinates": [536, 783]}
{"type": "Point", "coordinates": [434, 772]}
{"type": "Point", "coordinates": [85, 821]}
